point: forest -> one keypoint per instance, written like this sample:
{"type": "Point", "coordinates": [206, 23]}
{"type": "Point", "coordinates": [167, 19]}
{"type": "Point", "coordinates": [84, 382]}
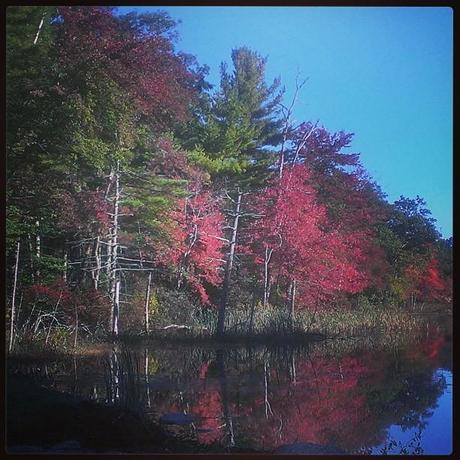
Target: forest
{"type": "Point", "coordinates": [141, 200]}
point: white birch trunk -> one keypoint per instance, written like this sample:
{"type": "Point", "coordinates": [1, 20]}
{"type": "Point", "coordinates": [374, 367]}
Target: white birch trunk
{"type": "Point", "coordinates": [38, 248]}
{"type": "Point", "coordinates": [39, 29]}
{"type": "Point", "coordinates": [64, 271]}
{"type": "Point", "coordinates": [268, 255]}
{"type": "Point", "coordinates": [96, 272]}
{"type": "Point", "coordinates": [114, 281]}
{"type": "Point", "coordinates": [228, 268]}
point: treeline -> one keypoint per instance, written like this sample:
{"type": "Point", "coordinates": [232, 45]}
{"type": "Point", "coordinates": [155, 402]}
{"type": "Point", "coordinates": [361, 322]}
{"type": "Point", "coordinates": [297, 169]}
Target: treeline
{"type": "Point", "coordinates": [134, 186]}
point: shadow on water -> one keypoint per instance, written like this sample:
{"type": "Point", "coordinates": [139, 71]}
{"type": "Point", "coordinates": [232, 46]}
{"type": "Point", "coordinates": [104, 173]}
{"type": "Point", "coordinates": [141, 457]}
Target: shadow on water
{"type": "Point", "coordinates": [327, 397]}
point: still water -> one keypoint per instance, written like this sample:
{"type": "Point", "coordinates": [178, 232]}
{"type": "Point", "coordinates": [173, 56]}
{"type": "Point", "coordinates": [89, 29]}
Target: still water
{"type": "Point", "coordinates": [347, 396]}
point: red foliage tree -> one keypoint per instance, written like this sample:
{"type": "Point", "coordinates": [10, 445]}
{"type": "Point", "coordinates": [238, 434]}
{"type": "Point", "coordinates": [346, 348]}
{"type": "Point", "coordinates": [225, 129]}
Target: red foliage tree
{"type": "Point", "coordinates": [82, 213]}
{"type": "Point", "coordinates": [94, 42]}
{"type": "Point", "coordinates": [294, 227]}
{"type": "Point", "coordinates": [431, 286]}
{"type": "Point", "coordinates": [195, 242]}
{"type": "Point", "coordinates": [353, 201]}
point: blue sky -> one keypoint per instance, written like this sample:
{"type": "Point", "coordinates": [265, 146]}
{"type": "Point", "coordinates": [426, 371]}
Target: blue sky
{"type": "Point", "coordinates": [383, 73]}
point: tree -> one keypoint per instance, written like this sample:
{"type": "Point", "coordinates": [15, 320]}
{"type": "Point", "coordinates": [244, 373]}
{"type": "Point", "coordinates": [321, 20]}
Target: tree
{"type": "Point", "coordinates": [235, 136]}
{"type": "Point", "coordinates": [86, 100]}
{"type": "Point", "coordinates": [196, 251]}
{"type": "Point", "coordinates": [296, 246]}
{"type": "Point", "coordinates": [411, 241]}
{"type": "Point", "coordinates": [411, 221]}
{"type": "Point", "coordinates": [243, 122]}
{"type": "Point", "coordinates": [355, 204]}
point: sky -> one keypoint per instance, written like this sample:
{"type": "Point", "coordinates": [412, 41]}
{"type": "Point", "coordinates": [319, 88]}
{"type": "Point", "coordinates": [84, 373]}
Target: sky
{"type": "Point", "coordinates": [382, 73]}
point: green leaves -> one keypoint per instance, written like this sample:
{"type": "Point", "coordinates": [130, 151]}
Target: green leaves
{"type": "Point", "coordinates": [222, 164]}
{"type": "Point", "coordinates": [241, 123]}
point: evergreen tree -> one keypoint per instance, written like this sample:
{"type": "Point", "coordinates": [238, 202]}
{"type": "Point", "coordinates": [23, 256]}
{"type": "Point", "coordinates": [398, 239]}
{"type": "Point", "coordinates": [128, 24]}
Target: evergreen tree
{"type": "Point", "coordinates": [242, 128]}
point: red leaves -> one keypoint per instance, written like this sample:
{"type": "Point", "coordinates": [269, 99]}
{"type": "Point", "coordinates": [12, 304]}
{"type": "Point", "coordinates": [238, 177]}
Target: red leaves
{"type": "Point", "coordinates": [195, 246]}
{"type": "Point", "coordinates": [56, 292]}
{"type": "Point", "coordinates": [430, 284]}
{"type": "Point", "coordinates": [94, 42]}
{"type": "Point", "coordinates": [209, 409]}
{"type": "Point", "coordinates": [322, 262]}
{"type": "Point", "coordinates": [423, 281]}
{"type": "Point", "coordinates": [92, 306]}
{"type": "Point", "coordinates": [82, 212]}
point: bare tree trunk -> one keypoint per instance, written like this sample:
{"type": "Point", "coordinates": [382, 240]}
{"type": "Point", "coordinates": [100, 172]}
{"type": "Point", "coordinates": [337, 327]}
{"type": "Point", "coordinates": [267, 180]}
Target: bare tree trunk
{"type": "Point", "coordinates": [66, 263]}
{"type": "Point", "coordinates": [96, 272]}
{"type": "Point", "coordinates": [39, 29]}
{"type": "Point", "coordinates": [113, 277]}
{"type": "Point", "coordinates": [147, 304]}
{"type": "Point", "coordinates": [287, 124]}
{"type": "Point", "coordinates": [86, 262]}
{"type": "Point", "coordinates": [38, 249]}
{"type": "Point", "coordinates": [32, 265]}
{"type": "Point", "coordinates": [108, 266]}
{"type": "Point", "coordinates": [53, 319]}
{"type": "Point", "coordinates": [228, 268]}
{"type": "Point", "coordinates": [184, 260]}
{"type": "Point", "coordinates": [268, 255]}
{"type": "Point", "coordinates": [13, 299]}
{"type": "Point", "coordinates": [75, 389]}
{"type": "Point", "coordinates": [302, 143]}
{"type": "Point", "coordinates": [111, 231]}
{"type": "Point", "coordinates": [18, 315]}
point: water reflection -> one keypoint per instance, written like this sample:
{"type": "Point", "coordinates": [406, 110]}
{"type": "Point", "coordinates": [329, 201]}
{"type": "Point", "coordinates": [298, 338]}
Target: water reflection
{"type": "Point", "coordinates": [357, 401]}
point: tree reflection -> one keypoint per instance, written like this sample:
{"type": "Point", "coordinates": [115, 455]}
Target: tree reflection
{"type": "Point", "coordinates": [270, 397]}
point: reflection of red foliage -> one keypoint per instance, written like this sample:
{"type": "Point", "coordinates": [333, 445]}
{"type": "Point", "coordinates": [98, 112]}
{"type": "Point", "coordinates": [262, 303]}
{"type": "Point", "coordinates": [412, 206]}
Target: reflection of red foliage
{"type": "Point", "coordinates": [323, 406]}
{"type": "Point", "coordinates": [203, 370]}
{"type": "Point", "coordinates": [429, 347]}
{"type": "Point", "coordinates": [332, 400]}
{"type": "Point", "coordinates": [209, 409]}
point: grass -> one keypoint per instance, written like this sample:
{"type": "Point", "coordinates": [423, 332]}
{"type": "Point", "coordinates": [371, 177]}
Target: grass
{"type": "Point", "coordinates": [270, 325]}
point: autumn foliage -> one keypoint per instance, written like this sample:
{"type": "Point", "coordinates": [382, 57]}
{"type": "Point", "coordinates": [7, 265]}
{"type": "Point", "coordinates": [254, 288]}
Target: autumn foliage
{"type": "Point", "coordinates": [125, 167]}
{"type": "Point", "coordinates": [295, 227]}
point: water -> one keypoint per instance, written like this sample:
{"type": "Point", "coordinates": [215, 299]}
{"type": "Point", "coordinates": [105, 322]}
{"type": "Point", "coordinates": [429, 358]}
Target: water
{"type": "Point", "coordinates": [342, 395]}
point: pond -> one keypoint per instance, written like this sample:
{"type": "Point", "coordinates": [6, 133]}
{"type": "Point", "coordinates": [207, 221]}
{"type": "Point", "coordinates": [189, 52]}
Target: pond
{"type": "Point", "coordinates": [340, 396]}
